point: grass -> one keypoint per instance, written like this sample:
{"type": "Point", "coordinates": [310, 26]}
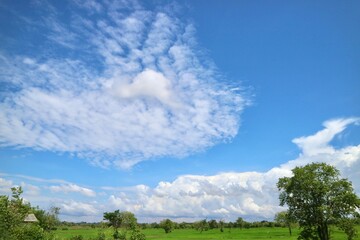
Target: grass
{"type": "Point", "coordinates": [179, 234]}
{"type": "Point", "coordinates": [258, 233]}
{"type": "Point", "coordinates": [86, 232]}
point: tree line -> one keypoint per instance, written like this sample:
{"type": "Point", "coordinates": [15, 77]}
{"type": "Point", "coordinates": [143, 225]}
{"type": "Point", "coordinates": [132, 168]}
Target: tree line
{"type": "Point", "coordinates": [205, 224]}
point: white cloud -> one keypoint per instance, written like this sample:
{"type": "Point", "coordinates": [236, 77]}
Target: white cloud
{"type": "Point", "coordinates": [252, 195]}
{"type": "Point", "coordinates": [73, 188]}
{"type": "Point", "coordinates": [148, 83]}
{"type": "Point", "coordinates": [319, 143]}
{"type": "Point", "coordinates": [136, 89]}
{"type": "Point", "coordinates": [317, 147]}
{"type": "Point", "coordinates": [74, 208]}
{"type": "Point", "coordinates": [30, 190]}
{"type": "Point", "coordinates": [33, 185]}
{"type": "Point", "coordinates": [34, 179]}
{"type": "Point", "coordinates": [5, 186]}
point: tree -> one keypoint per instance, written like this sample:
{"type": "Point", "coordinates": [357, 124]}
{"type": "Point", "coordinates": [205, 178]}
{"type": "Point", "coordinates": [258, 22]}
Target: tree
{"type": "Point", "coordinates": [137, 235]}
{"type": "Point", "coordinates": [317, 196]}
{"type": "Point", "coordinates": [12, 214]}
{"type": "Point", "coordinates": [213, 224]}
{"type": "Point", "coordinates": [202, 225]}
{"type": "Point", "coordinates": [47, 220]}
{"type": "Point", "coordinates": [283, 218]}
{"type": "Point", "coordinates": [221, 225]}
{"type": "Point", "coordinates": [240, 222]}
{"type": "Point", "coordinates": [167, 225]}
{"type": "Point", "coordinates": [119, 219]}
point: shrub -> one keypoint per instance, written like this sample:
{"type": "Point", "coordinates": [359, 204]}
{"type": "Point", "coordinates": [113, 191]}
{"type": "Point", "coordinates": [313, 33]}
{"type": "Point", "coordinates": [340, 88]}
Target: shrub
{"type": "Point", "coordinates": [137, 235]}
{"type": "Point", "coordinates": [77, 237]}
{"type": "Point", "coordinates": [100, 236]}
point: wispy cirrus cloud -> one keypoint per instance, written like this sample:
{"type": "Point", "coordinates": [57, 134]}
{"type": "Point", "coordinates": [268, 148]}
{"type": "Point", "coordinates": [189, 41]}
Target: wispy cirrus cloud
{"type": "Point", "coordinates": [122, 86]}
{"type": "Point", "coordinates": [73, 188]}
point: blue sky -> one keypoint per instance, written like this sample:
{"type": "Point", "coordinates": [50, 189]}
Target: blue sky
{"type": "Point", "coordinates": [184, 110]}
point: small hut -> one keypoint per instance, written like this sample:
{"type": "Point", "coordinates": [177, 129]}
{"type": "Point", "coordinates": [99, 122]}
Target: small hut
{"type": "Point", "coordinates": [30, 218]}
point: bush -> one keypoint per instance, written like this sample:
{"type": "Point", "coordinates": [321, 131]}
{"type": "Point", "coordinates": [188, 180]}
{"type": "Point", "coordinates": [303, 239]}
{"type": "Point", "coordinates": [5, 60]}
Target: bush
{"type": "Point", "coordinates": [29, 232]}
{"type": "Point", "coordinates": [100, 236]}
{"type": "Point", "coordinates": [137, 235]}
{"type": "Point", "coordinates": [77, 237]}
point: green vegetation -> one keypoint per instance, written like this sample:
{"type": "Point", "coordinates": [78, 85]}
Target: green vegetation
{"type": "Point", "coordinates": [167, 225]}
{"type": "Point", "coordinates": [273, 233]}
{"type": "Point", "coordinates": [284, 219]}
{"type": "Point", "coordinates": [126, 221]}
{"type": "Point", "coordinates": [13, 212]}
{"type": "Point", "coordinates": [318, 197]}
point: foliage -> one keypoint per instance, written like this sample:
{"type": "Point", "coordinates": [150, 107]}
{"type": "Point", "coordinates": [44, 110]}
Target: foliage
{"type": "Point", "coordinates": [124, 220]}
{"type": "Point", "coordinates": [167, 225]}
{"type": "Point", "coordinates": [348, 226]}
{"type": "Point", "coordinates": [202, 225]}
{"type": "Point", "coordinates": [240, 223]}
{"type": "Point", "coordinates": [47, 220]}
{"type": "Point", "coordinates": [100, 236]}
{"type": "Point", "coordinates": [119, 235]}
{"type": "Point", "coordinates": [137, 235]}
{"type": "Point", "coordinates": [221, 225]}
{"type": "Point", "coordinates": [119, 219]}
{"type": "Point", "coordinates": [213, 224]}
{"type": "Point", "coordinates": [12, 214]}
{"type": "Point", "coordinates": [77, 237]}
{"type": "Point", "coordinates": [317, 196]}
{"type": "Point", "coordinates": [284, 219]}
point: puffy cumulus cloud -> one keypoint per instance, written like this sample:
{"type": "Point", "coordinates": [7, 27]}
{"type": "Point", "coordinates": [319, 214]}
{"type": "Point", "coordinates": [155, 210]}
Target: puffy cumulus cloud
{"type": "Point", "coordinates": [122, 84]}
{"type": "Point", "coordinates": [74, 208]}
{"type": "Point", "coordinates": [252, 195]}
{"type": "Point", "coordinates": [226, 195]}
{"type": "Point", "coordinates": [66, 188]}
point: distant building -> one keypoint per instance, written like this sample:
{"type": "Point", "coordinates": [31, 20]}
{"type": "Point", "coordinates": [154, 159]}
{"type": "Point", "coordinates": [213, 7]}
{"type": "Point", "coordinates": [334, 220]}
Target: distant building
{"type": "Point", "coordinates": [30, 218]}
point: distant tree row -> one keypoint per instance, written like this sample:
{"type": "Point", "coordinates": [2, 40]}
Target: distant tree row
{"type": "Point", "coordinates": [204, 225]}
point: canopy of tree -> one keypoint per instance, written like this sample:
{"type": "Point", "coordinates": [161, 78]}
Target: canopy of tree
{"type": "Point", "coordinates": [125, 220]}
{"type": "Point", "coordinates": [317, 196]}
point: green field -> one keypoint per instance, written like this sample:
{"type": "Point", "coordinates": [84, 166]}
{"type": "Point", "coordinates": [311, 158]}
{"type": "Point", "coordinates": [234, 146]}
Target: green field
{"type": "Point", "coordinates": [243, 234]}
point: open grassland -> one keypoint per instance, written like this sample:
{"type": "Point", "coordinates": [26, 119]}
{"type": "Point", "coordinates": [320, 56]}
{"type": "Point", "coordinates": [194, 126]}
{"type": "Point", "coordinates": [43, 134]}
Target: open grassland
{"type": "Point", "coordinates": [243, 234]}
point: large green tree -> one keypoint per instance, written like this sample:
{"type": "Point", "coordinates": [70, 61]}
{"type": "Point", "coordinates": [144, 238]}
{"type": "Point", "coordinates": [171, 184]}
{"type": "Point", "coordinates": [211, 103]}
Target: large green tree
{"type": "Point", "coordinates": [167, 225]}
{"type": "Point", "coordinates": [317, 196]}
{"type": "Point", "coordinates": [118, 219]}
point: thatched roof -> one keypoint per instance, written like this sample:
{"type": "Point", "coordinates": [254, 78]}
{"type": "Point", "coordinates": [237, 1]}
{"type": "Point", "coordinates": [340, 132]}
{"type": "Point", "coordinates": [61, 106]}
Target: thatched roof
{"type": "Point", "coordinates": [30, 218]}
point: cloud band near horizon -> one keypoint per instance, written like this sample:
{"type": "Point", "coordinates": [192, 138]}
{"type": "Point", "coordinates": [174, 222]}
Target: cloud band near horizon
{"type": "Point", "coordinates": [251, 195]}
